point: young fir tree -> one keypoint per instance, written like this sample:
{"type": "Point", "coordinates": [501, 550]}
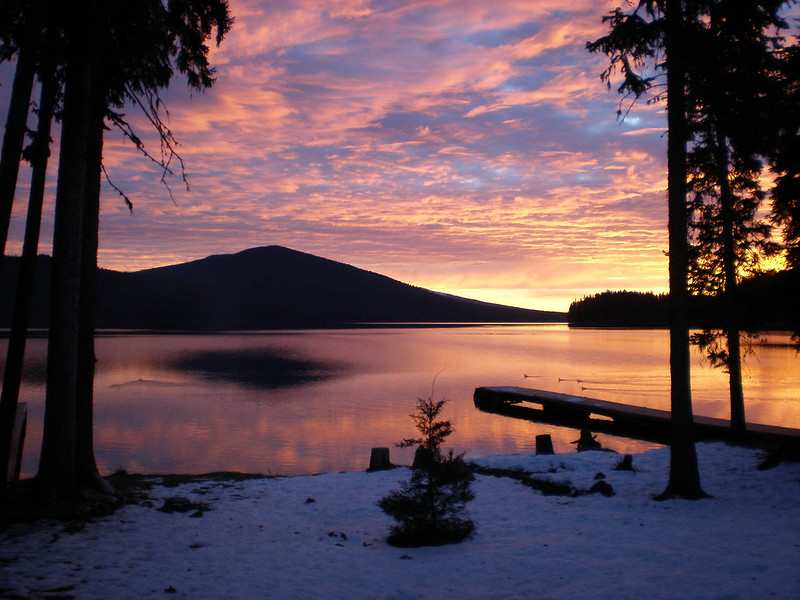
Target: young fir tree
{"type": "Point", "coordinates": [429, 508]}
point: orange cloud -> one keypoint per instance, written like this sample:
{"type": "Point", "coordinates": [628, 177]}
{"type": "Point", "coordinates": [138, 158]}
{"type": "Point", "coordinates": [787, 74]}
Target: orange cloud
{"type": "Point", "coordinates": [468, 147]}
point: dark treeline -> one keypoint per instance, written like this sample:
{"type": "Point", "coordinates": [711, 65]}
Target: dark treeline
{"type": "Point", "coordinates": [768, 302]}
{"type": "Point", "coordinates": [620, 309]}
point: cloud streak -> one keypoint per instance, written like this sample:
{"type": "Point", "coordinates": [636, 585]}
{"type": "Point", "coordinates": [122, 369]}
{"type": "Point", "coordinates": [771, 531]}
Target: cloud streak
{"type": "Point", "coordinates": [464, 146]}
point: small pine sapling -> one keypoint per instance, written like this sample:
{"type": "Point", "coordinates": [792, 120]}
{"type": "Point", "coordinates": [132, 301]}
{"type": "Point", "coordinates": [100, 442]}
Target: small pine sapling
{"type": "Point", "coordinates": [429, 508]}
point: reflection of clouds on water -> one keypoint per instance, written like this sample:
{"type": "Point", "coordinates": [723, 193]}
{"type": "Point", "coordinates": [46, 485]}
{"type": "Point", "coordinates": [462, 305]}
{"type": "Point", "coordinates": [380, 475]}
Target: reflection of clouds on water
{"type": "Point", "coordinates": [257, 368]}
{"type": "Point", "coordinates": [199, 403]}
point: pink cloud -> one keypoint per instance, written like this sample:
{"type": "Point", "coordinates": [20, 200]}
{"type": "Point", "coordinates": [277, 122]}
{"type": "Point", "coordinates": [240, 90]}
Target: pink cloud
{"type": "Point", "coordinates": [458, 145]}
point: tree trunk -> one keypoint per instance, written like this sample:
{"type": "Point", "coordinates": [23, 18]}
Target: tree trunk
{"type": "Point", "coordinates": [731, 298]}
{"type": "Point", "coordinates": [14, 136]}
{"type": "Point", "coordinates": [12, 377]}
{"type": "Point", "coordinates": [684, 476]}
{"type": "Point", "coordinates": [56, 473]}
{"type": "Point", "coordinates": [86, 467]}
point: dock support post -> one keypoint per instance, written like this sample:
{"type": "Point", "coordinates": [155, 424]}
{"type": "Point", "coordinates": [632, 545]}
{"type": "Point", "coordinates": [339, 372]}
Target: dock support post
{"type": "Point", "coordinates": [544, 444]}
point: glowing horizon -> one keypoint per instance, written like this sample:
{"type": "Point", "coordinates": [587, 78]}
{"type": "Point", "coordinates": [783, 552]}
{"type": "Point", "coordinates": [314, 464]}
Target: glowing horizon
{"type": "Point", "coordinates": [465, 147]}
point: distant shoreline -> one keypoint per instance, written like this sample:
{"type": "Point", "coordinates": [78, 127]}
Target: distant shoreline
{"type": "Point", "coordinates": [41, 333]}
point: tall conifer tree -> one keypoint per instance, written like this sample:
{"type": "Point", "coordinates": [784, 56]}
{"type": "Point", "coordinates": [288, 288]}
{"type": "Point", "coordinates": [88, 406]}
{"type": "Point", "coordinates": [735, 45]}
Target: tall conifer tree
{"type": "Point", "coordinates": [732, 91]}
{"type": "Point", "coordinates": [114, 53]}
{"type": "Point", "coordinates": [652, 38]}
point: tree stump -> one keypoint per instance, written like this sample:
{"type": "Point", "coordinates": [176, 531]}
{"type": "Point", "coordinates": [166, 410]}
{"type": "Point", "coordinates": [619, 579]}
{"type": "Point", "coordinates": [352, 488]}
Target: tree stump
{"type": "Point", "coordinates": [423, 459]}
{"type": "Point", "coordinates": [544, 444]}
{"type": "Point", "coordinates": [626, 464]}
{"type": "Point", "coordinates": [379, 460]}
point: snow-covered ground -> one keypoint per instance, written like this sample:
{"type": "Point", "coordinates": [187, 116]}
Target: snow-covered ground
{"type": "Point", "coordinates": [324, 537]}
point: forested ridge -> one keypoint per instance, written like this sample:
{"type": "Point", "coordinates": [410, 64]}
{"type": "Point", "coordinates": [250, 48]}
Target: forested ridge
{"type": "Point", "coordinates": [768, 302]}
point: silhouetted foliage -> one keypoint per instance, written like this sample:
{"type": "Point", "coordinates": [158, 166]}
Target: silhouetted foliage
{"type": "Point", "coordinates": [620, 309]}
{"type": "Point", "coordinates": [719, 60]}
{"type": "Point", "coordinates": [785, 160]}
{"type": "Point", "coordinates": [767, 301]}
{"type": "Point", "coordinates": [108, 54]}
{"type": "Point", "coordinates": [429, 508]}
{"type": "Point", "coordinates": [647, 42]}
{"type": "Point", "coordinates": [731, 76]}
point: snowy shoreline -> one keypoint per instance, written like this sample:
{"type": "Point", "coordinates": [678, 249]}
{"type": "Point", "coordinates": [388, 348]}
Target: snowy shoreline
{"type": "Point", "coordinates": [323, 536]}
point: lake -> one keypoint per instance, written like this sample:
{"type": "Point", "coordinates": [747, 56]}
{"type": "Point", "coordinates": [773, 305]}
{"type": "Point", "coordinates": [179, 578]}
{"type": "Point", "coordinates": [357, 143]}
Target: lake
{"type": "Point", "coordinates": [300, 402]}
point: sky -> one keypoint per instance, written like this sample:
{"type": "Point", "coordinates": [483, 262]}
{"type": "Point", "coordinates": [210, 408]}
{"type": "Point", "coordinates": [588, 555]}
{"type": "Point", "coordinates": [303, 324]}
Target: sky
{"type": "Point", "coordinates": [467, 147]}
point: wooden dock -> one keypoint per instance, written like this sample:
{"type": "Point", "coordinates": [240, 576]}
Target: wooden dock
{"type": "Point", "coordinates": [649, 424]}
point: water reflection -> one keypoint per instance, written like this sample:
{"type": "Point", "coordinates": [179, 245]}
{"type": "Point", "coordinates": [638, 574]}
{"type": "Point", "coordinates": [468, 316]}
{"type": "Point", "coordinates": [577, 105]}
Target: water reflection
{"type": "Point", "coordinates": [258, 368]}
{"type": "Point", "coordinates": [313, 401]}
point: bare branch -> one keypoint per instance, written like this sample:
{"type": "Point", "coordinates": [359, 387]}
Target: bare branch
{"type": "Point", "coordinates": [128, 202]}
{"type": "Point", "coordinates": [153, 108]}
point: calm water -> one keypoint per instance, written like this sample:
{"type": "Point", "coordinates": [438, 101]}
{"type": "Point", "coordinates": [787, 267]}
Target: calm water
{"type": "Point", "coordinates": [315, 401]}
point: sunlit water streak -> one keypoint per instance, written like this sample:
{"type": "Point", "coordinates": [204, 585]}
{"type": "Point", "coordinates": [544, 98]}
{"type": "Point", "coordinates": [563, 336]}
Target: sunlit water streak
{"type": "Point", "coordinates": [313, 401]}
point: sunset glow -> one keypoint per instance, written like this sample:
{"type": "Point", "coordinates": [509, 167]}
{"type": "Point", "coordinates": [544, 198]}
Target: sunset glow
{"type": "Point", "coordinates": [465, 147]}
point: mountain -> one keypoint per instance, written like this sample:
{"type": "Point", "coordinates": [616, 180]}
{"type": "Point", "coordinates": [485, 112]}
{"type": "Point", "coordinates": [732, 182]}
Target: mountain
{"type": "Point", "coordinates": [262, 288]}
